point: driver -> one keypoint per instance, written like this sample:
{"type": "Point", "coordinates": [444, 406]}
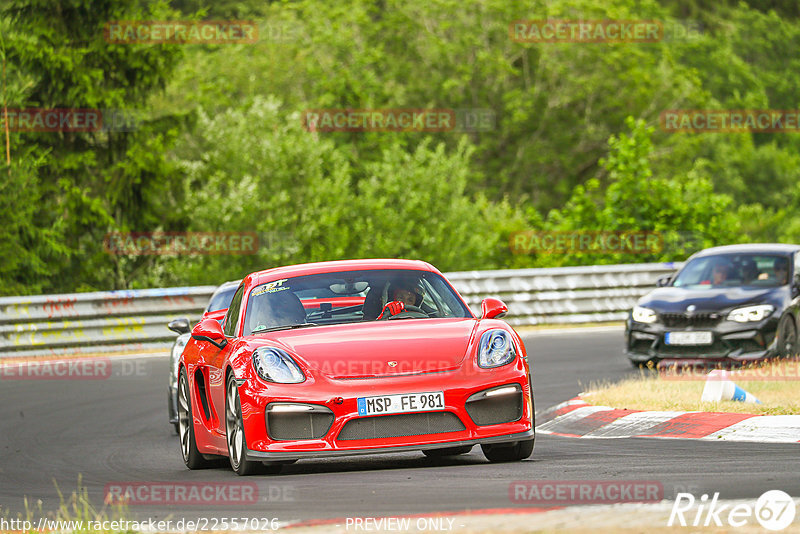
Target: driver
{"type": "Point", "coordinates": [781, 267]}
{"type": "Point", "coordinates": [402, 293]}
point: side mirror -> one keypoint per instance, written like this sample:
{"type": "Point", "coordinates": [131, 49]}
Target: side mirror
{"type": "Point", "coordinates": [492, 308]}
{"type": "Point", "coordinates": [179, 326]}
{"type": "Point", "coordinates": [664, 281]}
{"type": "Point", "coordinates": [211, 331]}
{"type": "Point", "coordinates": [796, 285]}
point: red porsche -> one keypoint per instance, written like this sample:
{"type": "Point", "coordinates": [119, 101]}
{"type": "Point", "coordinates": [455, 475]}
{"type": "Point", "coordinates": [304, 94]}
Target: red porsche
{"type": "Point", "coordinates": [352, 357]}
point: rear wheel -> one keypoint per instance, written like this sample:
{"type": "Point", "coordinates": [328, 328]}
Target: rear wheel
{"type": "Point", "coordinates": [787, 337]}
{"type": "Point", "coordinates": [508, 452]}
{"type": "Point", "coordinates": [447, 451]}
{"type": "Point", "coordinates": [234, 431]}
{"type": "Point", "coordinates": [191, 456]}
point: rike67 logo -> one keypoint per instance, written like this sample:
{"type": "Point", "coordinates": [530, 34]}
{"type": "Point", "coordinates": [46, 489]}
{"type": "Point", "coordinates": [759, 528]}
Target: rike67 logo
{"type": "Point", "coordinates": [774, 510]}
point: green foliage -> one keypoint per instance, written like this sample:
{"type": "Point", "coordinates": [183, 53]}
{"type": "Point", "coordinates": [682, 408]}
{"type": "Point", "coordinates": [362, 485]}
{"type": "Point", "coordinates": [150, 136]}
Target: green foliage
{"type": "Point", "coordinates": [685, 212]}
{"type": "Point", "coordinates": [220, 145]}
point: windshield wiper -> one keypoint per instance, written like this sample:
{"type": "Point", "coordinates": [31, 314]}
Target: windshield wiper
{"type": "Point", "coordinates": [282, 327]}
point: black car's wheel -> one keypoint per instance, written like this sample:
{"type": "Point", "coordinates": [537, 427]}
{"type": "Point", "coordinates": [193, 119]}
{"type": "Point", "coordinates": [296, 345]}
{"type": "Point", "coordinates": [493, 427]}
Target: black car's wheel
{"type": "Point", "coordinates": [508, 452]}
{"type": "Point", "coordinates": [191, 456]}
{"type": "Point", "coordinates": [447, 451]}
{"type": "Point", "coordinates": [234, 432]}
{"type": "Point", "coordinates": [787, 337]}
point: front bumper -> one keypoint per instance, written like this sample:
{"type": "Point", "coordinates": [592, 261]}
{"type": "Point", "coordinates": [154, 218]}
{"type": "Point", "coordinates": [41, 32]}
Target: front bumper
{"type": "Point", "coordinates": [289, 455]}
{"type": "Point", "coordinates": [339, 397]}
{"type": "Point", "coordinates": [732, 342]}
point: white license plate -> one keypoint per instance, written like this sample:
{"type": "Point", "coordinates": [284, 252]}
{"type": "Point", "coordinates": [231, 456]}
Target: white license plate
{"type": "Point", "coordinates": [401, 403]}
{"type": "Point", "coordinates": [688, 338]}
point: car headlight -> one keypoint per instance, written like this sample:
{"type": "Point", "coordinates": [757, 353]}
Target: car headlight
{"type": "Point", "coordinates": [275, 365]}
{"type": "Point", "coordinates": [751, 313]}
{"type": "Point", "coordinates": [643, 315]}
{"type": "Point", "coordinates": [496, 348]}
{"type": "Point", "coordinates": [177, 350]}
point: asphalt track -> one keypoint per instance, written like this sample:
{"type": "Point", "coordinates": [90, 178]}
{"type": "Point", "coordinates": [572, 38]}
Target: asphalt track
{"type": "Point", "coordinates": [115, 431]}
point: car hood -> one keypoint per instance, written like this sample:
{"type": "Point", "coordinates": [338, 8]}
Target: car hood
{"type": "Point", "coordinates": [676, 299]}
{"type": "Point", "coordinates": [381, 348]}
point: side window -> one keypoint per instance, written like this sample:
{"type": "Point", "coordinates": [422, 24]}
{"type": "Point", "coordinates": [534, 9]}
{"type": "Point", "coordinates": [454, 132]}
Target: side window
{"type": "Point", "coordinates": [232, 317]}
{"type": "Point", "coordinates": [796, 265]}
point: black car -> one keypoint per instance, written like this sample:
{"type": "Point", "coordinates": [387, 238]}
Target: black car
{"type": "Point", "coordinates": [726, 306]}
{"type": "Point", "coordinates": [217, 306]}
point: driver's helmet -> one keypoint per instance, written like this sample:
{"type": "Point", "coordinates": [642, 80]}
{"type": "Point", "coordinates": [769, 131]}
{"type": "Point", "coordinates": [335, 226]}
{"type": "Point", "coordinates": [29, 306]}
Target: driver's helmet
{"type": "Point", "coordinates": [722, 264]}
{"type": "Point", "coordinates": [280, 308]}
{"type": "Point", "coordinates": [412, 285]}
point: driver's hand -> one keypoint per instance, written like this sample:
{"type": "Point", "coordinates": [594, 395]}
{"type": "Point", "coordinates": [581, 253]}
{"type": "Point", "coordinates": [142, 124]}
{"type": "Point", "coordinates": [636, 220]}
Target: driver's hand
{"type": "Point", "coordinates": [393, 308]}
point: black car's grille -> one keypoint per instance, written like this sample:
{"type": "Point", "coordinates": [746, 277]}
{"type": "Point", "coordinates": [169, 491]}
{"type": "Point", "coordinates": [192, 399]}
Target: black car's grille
{"type": "Point", "coordinates": [400, 425]}
{"type": "Point", "coordinates": [715, 350]}
{"type": "Point", "coordinates": [694, 319]}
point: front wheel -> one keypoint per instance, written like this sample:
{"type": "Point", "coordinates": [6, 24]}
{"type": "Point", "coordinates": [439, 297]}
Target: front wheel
{"type": "Point", "coordinates": [508, 452]}
{"type": "Point", "coordinates": [787, 337]}
{"type": "Point", "coordinates": [191, 456]}
{"type": "Point", "coordinates": [234, 431]}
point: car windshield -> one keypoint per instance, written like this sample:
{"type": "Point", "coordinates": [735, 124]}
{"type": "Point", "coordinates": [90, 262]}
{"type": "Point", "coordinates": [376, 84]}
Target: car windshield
{"type": "Point", "coordinates": [221, 299]}
{"type": "Point", "coordinates": [348, 297]}
{"type": "Point", "coordinates": [735, 270]}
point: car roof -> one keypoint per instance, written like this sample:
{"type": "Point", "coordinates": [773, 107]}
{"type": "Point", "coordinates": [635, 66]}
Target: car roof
{"type": "Point", "coordinates": [336, 266]}
{"type": "Point", "coordinates": [229, 283]}
{"type": "Point", "coordinates": [772, 248]}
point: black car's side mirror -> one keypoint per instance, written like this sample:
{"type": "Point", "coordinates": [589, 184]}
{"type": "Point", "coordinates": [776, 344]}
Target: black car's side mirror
{"type": "Point", "coordinates": [664, 281]}
{"type": "Point", "coordinates": [181, 326]}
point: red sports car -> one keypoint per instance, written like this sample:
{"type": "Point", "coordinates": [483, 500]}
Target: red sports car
{"type": "Point", "coordinates": [352, 357]}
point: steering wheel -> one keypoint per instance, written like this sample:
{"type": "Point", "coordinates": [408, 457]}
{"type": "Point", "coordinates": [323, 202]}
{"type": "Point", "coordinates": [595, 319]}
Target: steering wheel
{"type": "Point", "coordinates": [410, 310]}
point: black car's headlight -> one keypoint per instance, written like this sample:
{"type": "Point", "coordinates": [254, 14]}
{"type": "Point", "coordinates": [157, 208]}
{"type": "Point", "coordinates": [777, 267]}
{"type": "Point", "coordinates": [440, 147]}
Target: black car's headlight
{"type": "Point", "coordinates": [643, 315]}
{"type": "Point", "coordinates": [750, 314]}
{"type": "Point", "coordinates": [275, 365]}
{"type": "Point", "coordinates": [496, 348]}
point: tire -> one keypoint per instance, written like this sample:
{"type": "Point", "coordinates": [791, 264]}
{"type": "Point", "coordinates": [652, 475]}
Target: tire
{"type": "Point", "coordinates": [191, 456]}
{"type": "Point", "coordinates": [234, 434]}
{"type": "Point", "coordinates": [787, 337]}
{"type": "Point", "coordinates": [447, 451]}
{"type": "Point", "coordinates": [508, 452]}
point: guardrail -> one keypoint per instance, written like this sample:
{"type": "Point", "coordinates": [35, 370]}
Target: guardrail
{"type": "Point", "coordinates": [136, 319]}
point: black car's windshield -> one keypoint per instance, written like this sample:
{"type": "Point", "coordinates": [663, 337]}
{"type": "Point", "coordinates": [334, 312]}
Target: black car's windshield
{"type": "Point", "coordinates": [349, 297]}
{"type": "Point", "coordinates": [221, 299]}
{"type": "Point", "coordinates": [735, 270]}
